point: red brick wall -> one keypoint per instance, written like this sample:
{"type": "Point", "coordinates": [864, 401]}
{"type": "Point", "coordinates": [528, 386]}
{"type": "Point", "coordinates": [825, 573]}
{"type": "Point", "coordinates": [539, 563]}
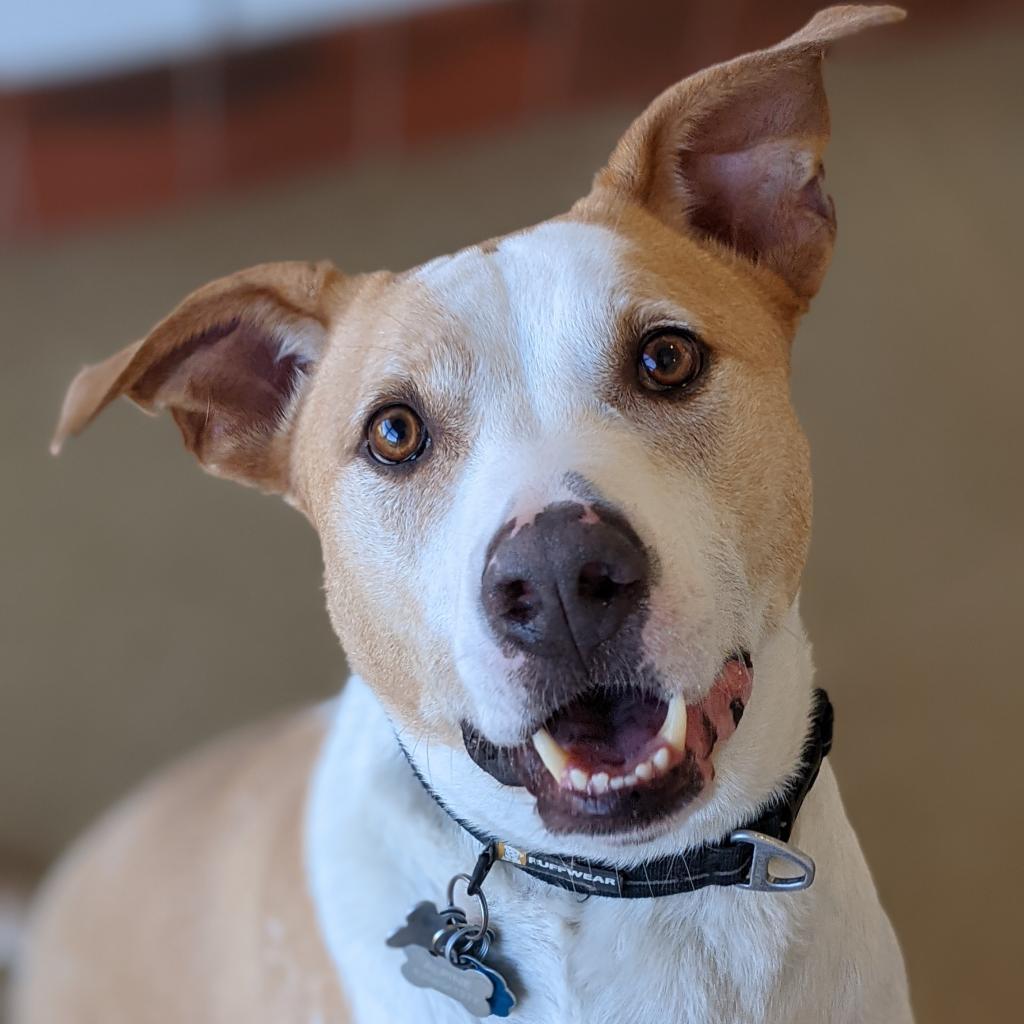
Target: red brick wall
{"type": "Point", "coordinates": [124, 145]}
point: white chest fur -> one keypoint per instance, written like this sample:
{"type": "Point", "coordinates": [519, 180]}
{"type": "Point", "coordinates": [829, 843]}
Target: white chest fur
{"type": "Point", "coordinates": [377, 844]}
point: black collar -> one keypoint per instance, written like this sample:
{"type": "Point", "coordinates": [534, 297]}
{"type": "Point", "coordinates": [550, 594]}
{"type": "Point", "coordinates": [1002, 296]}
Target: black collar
{"type": "Point", "coordinates": [740, 859]}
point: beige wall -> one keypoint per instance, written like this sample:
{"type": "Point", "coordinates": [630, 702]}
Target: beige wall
{"type": "Point", "coordinates": [144, 606]}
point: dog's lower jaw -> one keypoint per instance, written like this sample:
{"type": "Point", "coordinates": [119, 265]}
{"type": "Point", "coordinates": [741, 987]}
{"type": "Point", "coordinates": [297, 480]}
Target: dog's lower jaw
{"type": "Point", "coordinates": [376, 848]}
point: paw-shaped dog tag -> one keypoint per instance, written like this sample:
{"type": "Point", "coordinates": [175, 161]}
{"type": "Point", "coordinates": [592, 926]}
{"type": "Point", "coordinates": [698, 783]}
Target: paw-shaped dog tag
{"type": "Point", "coordinates": [469, 986]}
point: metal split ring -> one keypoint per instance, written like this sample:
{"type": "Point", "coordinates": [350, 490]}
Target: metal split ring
{"type": "Point", "coordinates": [479, 931]}
{"type": "Point", "coordinates": [479, 945]}
{"type": "Point", "coordinates": [453, 914]}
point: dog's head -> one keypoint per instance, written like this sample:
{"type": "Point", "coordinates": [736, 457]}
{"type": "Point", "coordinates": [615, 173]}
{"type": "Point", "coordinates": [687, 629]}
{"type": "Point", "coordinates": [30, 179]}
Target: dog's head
{"type": "Point", "coordinates": [563, 498]}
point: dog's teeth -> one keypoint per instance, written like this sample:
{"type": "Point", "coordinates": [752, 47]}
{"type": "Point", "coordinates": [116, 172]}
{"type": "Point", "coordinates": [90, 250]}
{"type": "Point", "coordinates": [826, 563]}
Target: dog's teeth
{"type": "Point", "coordinates": [673, 729]}
{"type": "Point", "coordinates": [579, 779]}
{"type": "Point", "coordinates": [553, 756]}
{"type": "Point", "coordinates": [629, 780]}
{"type": "Point", "coordinates": [661, 759]}
{"type": "Point", "coordinates": [644, 770]}
{"type": "Point", "coordinates": [616, 782]}
{"type": "Point", "coordinates": [599, 782]}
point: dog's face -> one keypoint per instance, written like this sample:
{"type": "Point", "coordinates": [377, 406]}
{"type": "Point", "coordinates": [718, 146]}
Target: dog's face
{"type": "Point", "coordinates": [562, 495]}
{"type": "Point", "coordinates": [566, 498]}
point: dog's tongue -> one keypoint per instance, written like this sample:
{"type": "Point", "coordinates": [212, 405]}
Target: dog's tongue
{"type": "Point", "coordinates": [605, 729]}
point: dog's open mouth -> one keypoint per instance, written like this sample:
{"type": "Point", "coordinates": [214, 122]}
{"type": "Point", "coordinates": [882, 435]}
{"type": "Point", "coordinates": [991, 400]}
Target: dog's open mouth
{"type": "Point", "coordinates": [616, 759]}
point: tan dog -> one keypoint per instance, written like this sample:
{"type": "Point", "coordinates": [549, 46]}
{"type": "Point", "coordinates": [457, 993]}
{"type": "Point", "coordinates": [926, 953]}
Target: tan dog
{"type": "Point", "coordinates": [564, 506]}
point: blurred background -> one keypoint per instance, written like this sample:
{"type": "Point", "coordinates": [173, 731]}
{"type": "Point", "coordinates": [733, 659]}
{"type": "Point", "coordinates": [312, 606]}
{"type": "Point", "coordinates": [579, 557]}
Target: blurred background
{"type": "Point", "coordinates": [146, 148]}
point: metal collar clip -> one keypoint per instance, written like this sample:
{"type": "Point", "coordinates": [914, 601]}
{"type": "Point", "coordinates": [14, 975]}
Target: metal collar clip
{"type": "Point", "coordinates": [767, 849]}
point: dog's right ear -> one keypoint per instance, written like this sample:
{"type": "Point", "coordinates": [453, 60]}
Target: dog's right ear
{"type": "Point", "coordinates": [231, 363]}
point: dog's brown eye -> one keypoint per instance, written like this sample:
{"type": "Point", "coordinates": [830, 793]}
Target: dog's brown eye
{"type": "Point", "coordinates": [670, 359]}
{"type": "Point", "coordinates": [396, 434]}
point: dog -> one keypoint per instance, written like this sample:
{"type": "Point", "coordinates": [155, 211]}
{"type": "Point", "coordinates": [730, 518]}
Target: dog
{"type": "Point", "coordinates": [579, 773]}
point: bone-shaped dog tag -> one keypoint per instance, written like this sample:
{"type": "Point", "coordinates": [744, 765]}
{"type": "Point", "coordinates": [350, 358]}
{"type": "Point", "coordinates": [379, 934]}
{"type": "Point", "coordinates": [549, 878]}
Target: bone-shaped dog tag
{"type": "Point", "coordinates": [422, 923]}
{"type": "Point", "coordinates": [470, 987]}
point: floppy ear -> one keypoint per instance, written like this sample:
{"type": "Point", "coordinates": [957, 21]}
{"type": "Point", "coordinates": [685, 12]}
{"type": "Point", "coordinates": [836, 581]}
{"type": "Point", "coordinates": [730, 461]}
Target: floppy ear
{"type": "Point", "coordinates": [230, 363]}
{"type": "Point", "coordinates": [734, 153]}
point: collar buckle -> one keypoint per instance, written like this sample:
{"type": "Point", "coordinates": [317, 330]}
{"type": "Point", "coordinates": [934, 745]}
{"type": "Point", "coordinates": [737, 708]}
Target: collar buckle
{"type": "Point", "coordinates": [765, 850]}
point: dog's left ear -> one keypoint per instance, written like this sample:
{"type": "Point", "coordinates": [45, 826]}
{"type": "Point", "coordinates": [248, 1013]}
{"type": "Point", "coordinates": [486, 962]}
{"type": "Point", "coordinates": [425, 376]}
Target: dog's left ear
{"type": "Point", "coordinates": [231, 365]}
{"type": "Point", "coordinates": [734, 153]}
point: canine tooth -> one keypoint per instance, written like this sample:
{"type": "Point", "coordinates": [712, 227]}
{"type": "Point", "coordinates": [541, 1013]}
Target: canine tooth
{"type": "Point", "coordinates": [644, 770]}
{"type": "Point", "coordinates": [661, 759]}
{"type": "Point", "coordinates": [553, 756]}
{"type": "Point", "coordinates": [673, 729]}
{"type": "Point", "coordinates": [616, 782]}
{"type": "Point", "coordinates": [599, 782]}
{"type": "Point", "coordinates": [579, 779]}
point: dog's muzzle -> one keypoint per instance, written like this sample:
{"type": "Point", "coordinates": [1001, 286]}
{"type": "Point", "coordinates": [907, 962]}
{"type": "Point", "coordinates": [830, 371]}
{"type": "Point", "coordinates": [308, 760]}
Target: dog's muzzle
{"type": "Point", "coordinates": [610, 746]}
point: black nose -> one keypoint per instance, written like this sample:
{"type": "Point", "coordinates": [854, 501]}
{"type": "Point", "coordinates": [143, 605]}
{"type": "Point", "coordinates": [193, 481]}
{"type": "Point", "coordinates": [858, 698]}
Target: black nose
{"type": "Point", "coordinates": [565, 583]}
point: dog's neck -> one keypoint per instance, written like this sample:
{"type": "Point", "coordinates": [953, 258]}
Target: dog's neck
{"type": "Point", "coordinates": [377, 844]}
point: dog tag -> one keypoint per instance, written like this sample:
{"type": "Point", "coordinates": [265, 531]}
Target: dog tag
{"type": "Point", "coordinates": [422, 923]}
{"type": "Point", "coordinates": [502, 1000]}
{"type": "Point", "coordinates": [469, 986]}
